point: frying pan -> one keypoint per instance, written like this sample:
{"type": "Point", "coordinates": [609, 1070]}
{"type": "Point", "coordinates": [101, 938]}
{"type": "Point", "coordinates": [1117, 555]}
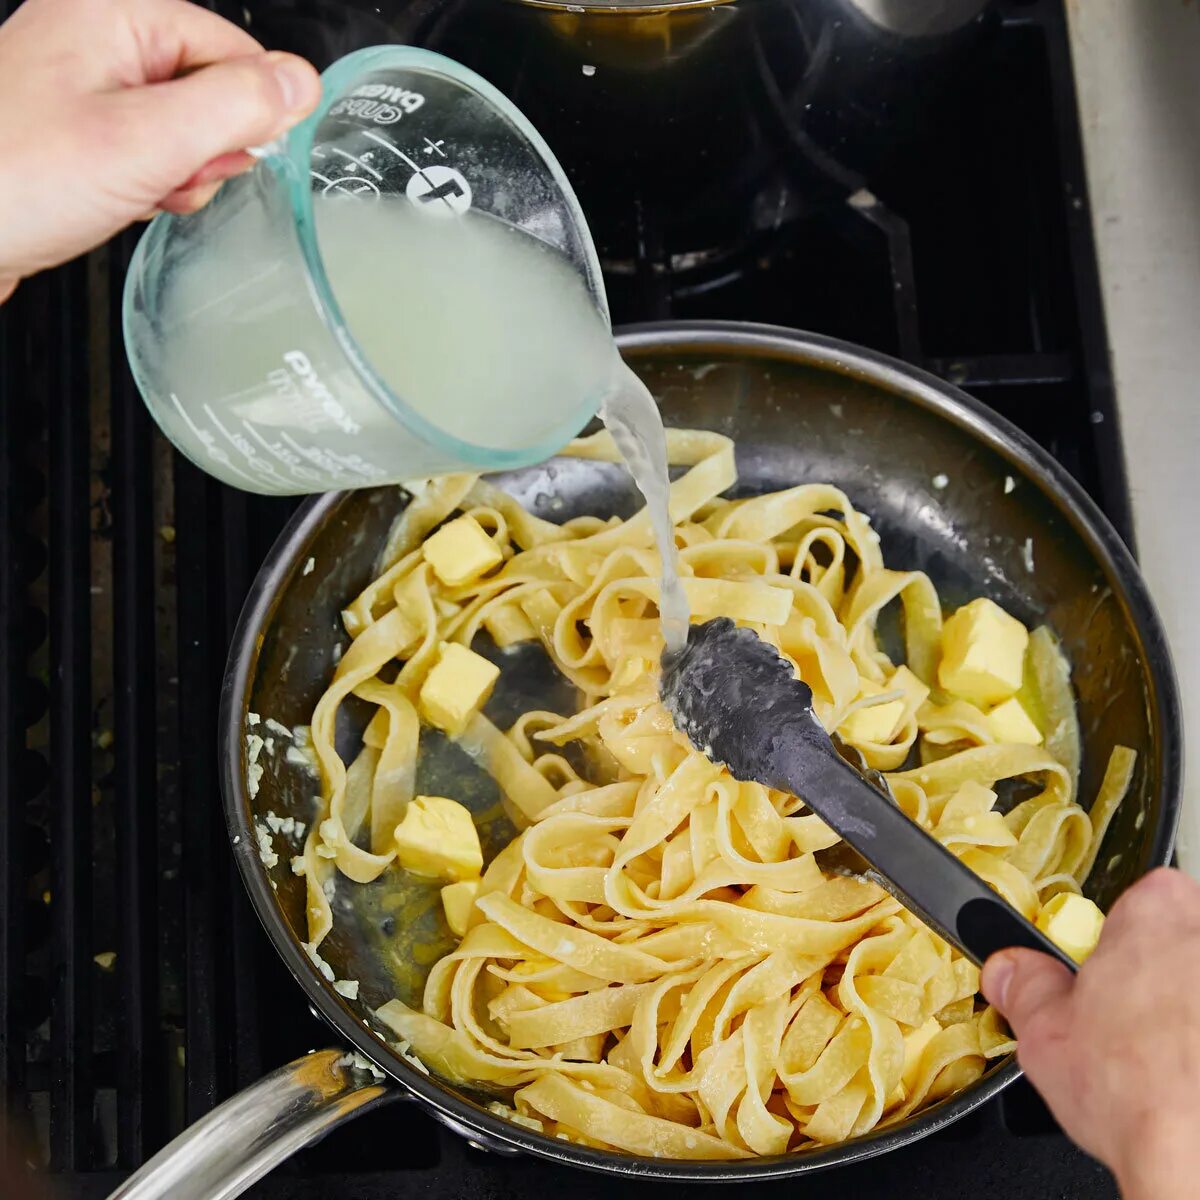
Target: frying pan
{"type": "Point", "coordinates": [1006, 520]}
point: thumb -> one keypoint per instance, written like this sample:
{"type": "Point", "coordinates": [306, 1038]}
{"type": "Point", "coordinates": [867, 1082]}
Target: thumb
{"type": "Point", "coordinates": [1024, 984]}
{"type": "Point", "coordinates": [1030, 990]}
{"type": "Point", "coordinates": [166, 132]}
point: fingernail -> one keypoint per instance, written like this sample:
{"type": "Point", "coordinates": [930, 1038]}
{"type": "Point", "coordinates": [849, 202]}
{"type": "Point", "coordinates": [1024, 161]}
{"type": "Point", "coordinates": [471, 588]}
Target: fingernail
{"type": "Point", "coordinates": [997, 975]}
{"type": "Point", "coordinates": [293, 79]}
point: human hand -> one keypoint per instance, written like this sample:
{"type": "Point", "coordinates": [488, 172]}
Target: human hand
{"type": "Point", "coordinates": [1115, 1050]}
{"type": "Point", "coordinates": [110, 109]}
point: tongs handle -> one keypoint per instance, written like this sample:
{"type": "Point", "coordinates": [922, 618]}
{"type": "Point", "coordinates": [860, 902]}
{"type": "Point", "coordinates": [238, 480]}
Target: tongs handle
{"type": "Point", "coordinates": [989, 923]}
{"type": "Point", "coordinates": [909, 862]}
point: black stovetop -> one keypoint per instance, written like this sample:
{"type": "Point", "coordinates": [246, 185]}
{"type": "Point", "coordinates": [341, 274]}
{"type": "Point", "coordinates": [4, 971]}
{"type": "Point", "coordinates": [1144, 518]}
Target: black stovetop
{"type": "Point", "coordinates": [936, 210]}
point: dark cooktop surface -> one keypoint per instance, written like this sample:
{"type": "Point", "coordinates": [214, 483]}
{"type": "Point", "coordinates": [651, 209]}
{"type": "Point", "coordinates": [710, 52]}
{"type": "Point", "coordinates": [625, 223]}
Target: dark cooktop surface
{"type": "Point", "coordinates": [774, 160]}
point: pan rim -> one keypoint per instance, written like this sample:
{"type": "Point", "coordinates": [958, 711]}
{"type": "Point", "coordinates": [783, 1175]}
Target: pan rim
{"type": "Point", "coordinates": [907, 382]}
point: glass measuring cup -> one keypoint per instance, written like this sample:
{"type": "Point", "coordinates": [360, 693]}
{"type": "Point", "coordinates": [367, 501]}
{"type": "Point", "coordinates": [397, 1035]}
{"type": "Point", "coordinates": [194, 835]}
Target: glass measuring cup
{"type": "Point", "coordinates": [404, 285]}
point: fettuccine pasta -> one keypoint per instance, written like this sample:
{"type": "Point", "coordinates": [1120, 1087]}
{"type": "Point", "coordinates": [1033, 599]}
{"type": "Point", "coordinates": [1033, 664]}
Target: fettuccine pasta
{"type": "Point", "coordinates": [666, 961]}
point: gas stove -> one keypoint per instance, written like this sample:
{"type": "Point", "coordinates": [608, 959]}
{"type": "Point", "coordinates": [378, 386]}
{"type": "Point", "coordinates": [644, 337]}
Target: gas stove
{"type": "Point", "coordinates": [934, 208]}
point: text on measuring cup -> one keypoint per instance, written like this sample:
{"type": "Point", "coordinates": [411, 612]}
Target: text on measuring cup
{"type": "Point", "coordinates": [378, 102]}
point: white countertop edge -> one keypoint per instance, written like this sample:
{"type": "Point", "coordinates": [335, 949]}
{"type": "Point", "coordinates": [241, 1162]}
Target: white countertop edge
{"type": "Point", "coordinates": [1137, 68]}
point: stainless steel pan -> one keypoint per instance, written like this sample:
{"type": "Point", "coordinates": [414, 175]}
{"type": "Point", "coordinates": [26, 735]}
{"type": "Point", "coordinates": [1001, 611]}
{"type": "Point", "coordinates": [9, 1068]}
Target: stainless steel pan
{"type": "Point", "coordinates": [800, 407]}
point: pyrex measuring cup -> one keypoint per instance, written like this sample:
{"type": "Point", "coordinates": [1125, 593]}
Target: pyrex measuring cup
{"type": "Point", "coordinates": [403, 286]}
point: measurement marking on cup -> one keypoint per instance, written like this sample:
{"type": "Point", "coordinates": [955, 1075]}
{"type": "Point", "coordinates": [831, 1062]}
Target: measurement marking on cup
{"type": "Point", "coordinates": [313, 455]}
{"type": "Point", "coordinates": [366, 166]}
{"type": "Point", "coordinates": [330, 461]}
{"type": "Point", "coordinates": [444, 191]}
{"type": "Point", "coordinates": [206, 439]}
{"type": "Point", "coordinates": [440, 190]}
{"type": "Point", "coordinates": [352, 185]}
{"type": "Point", "coordinates": [382, 141]}
{"type": "Point", "coordinates": [253, 458]}
{"type": "Point", "coordinates": [437, 182]}
{"type": "Point", "coordinates": [289, 460]}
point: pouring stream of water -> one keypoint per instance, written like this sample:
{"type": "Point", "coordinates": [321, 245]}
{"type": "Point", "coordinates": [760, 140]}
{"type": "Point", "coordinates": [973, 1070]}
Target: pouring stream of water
{"type": "Point", "coordinates": [633, 420]}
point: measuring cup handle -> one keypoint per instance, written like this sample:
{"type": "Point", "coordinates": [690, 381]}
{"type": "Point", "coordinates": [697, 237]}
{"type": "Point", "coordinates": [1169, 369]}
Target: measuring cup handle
{"type": "Point", "coordinates": [222, 1154]}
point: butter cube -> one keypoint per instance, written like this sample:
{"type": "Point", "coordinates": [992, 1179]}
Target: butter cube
{"type": "Point", "coordinates": [983, 653]}
{"type": "Point", "coordinates": [915, 692]}
{"type": "Point", "coordinates": [458, 899]}
{"type": "Point", "coordinates": [1073, 923]}
{"type": "Point", "coordinates": [874, 724]}
{"type": "Point", "coordinates": [456, 688]}
{"type": "Point", "coordinates": [1009, 722]}
{"type": "Point", "coordinates": [507, 624]}
{"type": "Point", "coordinates": [437, 838]}
{"type": "Point", "coordinates": [460, 551]}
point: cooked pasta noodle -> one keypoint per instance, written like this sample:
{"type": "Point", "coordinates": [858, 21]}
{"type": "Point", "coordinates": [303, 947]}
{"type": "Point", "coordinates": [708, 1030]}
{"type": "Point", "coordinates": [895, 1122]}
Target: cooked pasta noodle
{"type": "Point", "coordinates": [664, 960]}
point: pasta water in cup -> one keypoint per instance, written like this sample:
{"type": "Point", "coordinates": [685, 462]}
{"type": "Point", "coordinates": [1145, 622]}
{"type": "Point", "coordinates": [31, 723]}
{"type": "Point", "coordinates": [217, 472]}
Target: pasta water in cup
{"type": "Point", "coordinates": [403, 286]}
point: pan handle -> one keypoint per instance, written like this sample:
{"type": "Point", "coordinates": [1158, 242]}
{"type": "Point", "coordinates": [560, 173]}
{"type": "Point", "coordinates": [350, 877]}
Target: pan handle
{"type": "Point", "coordinates": [237, 1143]}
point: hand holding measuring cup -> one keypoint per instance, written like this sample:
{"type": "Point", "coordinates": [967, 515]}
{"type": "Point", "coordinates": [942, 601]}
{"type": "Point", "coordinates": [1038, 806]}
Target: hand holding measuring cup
{"type": "Point", "coordinates": [110, 109]}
